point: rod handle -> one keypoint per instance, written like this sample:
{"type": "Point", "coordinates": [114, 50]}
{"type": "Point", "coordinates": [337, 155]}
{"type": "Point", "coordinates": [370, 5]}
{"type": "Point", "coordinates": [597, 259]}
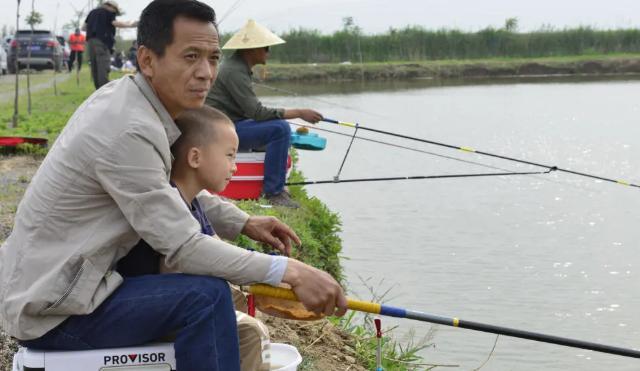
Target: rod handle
{"type": "Point", "coordinates": [287, 294]}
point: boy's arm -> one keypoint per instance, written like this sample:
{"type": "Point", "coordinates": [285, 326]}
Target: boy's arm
{"type": "Point", "coordinates": [225, 217]}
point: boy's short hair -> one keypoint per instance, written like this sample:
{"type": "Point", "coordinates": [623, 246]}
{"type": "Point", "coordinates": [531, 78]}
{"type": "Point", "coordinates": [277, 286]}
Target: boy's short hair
{"type": "Point", "coordinates": [198, 127]}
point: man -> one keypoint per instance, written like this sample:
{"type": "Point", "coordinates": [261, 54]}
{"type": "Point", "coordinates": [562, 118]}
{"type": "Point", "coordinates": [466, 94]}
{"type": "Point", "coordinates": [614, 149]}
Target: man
{"type": "Point", "coordinates": [105, 184]}
{"type": "Point", "coordinates": [76, 40]}
{"type": "Point", "coordinates": [100, 26]}
{"type": "Point", "coordinates": [257, 126]}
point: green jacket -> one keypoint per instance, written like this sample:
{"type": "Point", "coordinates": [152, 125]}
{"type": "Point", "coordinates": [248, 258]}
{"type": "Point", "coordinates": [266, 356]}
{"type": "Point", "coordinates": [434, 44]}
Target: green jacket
{"type": "Point", "coordinates": [233, 93]}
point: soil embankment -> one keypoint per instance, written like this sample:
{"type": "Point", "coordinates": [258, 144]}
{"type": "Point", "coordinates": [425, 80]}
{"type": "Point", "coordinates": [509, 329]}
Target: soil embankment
{"type": "Point", "coordinates": [578, 66]}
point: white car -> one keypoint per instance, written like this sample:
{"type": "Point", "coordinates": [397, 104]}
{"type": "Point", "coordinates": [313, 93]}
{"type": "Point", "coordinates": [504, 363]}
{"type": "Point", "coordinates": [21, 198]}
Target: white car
{"type": "Point", "coordinates": [3, 62]}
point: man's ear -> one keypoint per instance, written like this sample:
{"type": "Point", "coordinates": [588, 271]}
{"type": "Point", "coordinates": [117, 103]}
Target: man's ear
{"type": "Point", "coordinates": [146, 61]}
{"type": "Point", "coordinates": [194, 157]}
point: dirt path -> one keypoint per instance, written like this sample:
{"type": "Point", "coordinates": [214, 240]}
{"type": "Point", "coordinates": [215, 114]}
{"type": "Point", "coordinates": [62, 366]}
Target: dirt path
{"type": "Point", "coordinates": [323, 346]}
{"type": "Point", "coordinates": [39, 81]}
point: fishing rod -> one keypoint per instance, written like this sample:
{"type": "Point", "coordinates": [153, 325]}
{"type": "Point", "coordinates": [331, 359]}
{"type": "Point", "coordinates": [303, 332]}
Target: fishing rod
{"type": "Point", "coordinates": [471, 150]}
{"type": "Point", "coordinates": [445, 176]}
{"type": "Point", "coordinates": [432, 154]}
{"type": "Point", "coordinates": [385, 310]}
{"type": "Point", "coordinates": [324, 101]}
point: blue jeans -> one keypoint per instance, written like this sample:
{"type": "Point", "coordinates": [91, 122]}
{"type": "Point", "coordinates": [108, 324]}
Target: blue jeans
{"type": "Point", "coordinates": [145, 308]}
{"type": "Point", "coordinates": [276, 136]}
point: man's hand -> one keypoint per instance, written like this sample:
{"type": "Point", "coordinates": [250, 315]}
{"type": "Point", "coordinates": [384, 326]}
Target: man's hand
{"type": "Point", "coordinates": [317, 290]}
{"type": "Point", "coordinates": [270, 230]}
{"type": "Point", "coordinates": [310, 115]}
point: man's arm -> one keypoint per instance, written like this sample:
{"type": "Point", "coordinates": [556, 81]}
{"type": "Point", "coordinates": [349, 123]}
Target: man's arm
{"type": "Point", "coordinates": [229, 221]}
{"type": "Point", "coordinates": [240, 88]}
{"type": "Point", "coordinates": [225, 217]}
{"type": "Point", "coordinates": [238, 85]}
{"type": "Point", "coordinates": [124, 24]}
{"type": "Point", "coordinates": [306, 114]}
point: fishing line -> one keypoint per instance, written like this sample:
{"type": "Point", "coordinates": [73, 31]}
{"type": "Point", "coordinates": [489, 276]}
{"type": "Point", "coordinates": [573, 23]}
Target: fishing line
{"type": "Point", "coordinates": [581, 188]}
{"type": "Point", "coordinates": [231, 10]}
{"type": "Point", "coordinates": [429, 142]}
{"type": "Point", "coordinates": [293, 93]}
{"type": "Point", "coordinates": [471, 150]}
{"type": "Point", "coordinates": [337, 177]}
{"type": "Point", "coordinates": [444, 176]}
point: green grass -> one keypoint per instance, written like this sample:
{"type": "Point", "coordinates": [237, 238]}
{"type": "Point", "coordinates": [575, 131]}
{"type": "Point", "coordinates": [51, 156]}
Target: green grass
{"type": "Point", "coordinates": [40, 77]}
{"type": "Point", "coordinates": [50, 112]}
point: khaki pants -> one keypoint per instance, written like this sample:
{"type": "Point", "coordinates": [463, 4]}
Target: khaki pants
{"type": "Point", "coordinates": [255, 349]}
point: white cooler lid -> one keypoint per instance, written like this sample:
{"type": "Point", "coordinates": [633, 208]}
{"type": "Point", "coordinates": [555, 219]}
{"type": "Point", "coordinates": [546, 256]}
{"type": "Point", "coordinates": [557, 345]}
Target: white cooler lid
{"type": "Point", "coordinates": [152, 357]}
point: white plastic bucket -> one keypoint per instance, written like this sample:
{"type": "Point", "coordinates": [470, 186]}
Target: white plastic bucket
{"type": "Point", "coordinates": [284, 357]}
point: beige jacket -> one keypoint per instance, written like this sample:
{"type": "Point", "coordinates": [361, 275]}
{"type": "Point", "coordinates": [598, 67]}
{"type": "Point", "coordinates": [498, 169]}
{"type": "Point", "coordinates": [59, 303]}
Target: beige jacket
{"type": "Point", "coordinates": [102, 187]}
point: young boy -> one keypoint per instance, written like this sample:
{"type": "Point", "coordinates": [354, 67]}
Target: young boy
{"type": "Point", "coordinates": [204, 159]}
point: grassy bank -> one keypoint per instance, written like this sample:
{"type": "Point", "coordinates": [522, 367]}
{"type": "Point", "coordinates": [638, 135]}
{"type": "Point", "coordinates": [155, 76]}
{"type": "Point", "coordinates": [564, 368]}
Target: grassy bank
{"type": "Point", "coordinates": [594, 65]}
{"type": "Point", "coordinates": [325, 345]}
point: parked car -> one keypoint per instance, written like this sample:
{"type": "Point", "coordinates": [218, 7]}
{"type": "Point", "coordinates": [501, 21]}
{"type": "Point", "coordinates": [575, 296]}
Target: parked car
{"type": "Point", "coordinates": [3, 62]}
{"type": "Point", "coordinates": [46, 51]}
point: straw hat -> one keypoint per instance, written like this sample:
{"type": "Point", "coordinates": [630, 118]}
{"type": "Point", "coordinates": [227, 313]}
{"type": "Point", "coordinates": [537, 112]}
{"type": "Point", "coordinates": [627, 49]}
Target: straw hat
{"type": "Point", "coordinates": [252, 36]}
{"type": "Point", "coordinates": [114, 5]}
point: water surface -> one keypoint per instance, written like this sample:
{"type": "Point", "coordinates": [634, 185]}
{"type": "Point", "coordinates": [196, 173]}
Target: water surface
{"type": "Point", "coordinates": [556, 254]}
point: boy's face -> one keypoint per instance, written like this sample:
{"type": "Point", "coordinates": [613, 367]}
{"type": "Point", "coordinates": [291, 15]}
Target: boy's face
{"type": "Point", "coordinates": [219, 160]}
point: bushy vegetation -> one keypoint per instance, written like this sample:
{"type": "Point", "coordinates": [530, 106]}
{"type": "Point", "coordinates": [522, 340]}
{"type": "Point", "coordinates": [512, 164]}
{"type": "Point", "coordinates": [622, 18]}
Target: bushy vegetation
{"type": "Point", "coordinates": [415, 43]}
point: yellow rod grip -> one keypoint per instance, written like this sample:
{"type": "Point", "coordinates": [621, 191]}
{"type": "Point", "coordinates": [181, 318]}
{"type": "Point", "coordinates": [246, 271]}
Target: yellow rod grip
{"type": "Point", "coordinates": [287, 294]}
{"type": "Point", "coordinates": [467, 149]}
{"type": "Point", "coordinates": [347, 124]}
{"type": "Point", "coordinates": [623, 182]}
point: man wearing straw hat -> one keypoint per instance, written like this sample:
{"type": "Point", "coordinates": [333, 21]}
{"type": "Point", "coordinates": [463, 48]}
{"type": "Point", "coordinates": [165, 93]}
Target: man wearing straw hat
{"type": "Point", "coordinates": [100, 26]}
{"type": "Point", "coordinates": [257, 126]}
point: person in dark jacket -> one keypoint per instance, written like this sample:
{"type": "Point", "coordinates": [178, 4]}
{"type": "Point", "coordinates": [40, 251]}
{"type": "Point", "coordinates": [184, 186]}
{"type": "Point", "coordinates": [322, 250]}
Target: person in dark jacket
{"type": "Point", "coordinates": [100, 26]}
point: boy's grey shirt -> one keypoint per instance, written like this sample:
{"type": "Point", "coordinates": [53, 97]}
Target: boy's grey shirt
{"type": "Point", "coordinates": [104, 185]}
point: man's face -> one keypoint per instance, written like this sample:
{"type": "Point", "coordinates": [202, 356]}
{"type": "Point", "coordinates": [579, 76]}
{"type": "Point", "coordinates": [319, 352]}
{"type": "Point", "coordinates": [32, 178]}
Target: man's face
{"type": "Point", "coordinates": [260, 55]}
{"type": "Point", "coordinates": [183, 75]}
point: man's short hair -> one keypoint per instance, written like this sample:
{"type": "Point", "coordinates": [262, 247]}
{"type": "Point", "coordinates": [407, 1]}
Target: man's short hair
{"type": "Point", "coordinates": [199, 127]}
{"type": "Point", "coordinates": [155, 27]}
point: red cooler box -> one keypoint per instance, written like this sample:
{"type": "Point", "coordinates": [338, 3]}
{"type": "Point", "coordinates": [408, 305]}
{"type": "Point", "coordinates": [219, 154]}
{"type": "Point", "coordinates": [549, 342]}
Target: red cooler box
{"type": "Point", "coordinates": [246, 183]}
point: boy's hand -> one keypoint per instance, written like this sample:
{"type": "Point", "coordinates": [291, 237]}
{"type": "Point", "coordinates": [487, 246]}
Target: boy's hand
{"type": "Point", "coordinates": [270, 230]}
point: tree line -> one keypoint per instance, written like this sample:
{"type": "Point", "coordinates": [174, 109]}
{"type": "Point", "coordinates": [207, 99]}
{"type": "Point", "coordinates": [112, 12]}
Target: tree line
{"type": "Point", "coordinates": [415, 43]}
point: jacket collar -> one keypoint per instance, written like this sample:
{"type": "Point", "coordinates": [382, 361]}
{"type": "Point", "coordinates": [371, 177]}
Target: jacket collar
{"type": "Point", "coordinates": [169, 125]}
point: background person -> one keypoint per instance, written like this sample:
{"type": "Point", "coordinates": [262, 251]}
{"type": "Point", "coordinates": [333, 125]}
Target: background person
{"type": "Point", "coordinates": [257, 126]}
{"type": "Point", "coordinates": [76, 43]}
{"type": "Point", "coordinates": [100, 26]}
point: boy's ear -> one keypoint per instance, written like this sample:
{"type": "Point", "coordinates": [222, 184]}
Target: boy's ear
{"type": "Point", "coordinates": [194, 157]}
